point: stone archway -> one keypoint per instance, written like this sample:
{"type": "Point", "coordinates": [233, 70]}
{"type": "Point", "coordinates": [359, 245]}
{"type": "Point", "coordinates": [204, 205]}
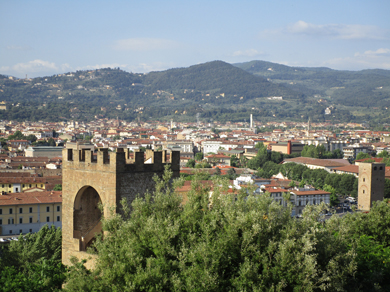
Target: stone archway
{"type": "Point", "coordinates": [86, 216]}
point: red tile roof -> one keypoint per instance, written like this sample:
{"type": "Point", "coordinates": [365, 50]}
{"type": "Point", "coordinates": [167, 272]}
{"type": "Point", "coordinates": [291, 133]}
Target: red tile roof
{"type": "Point", "coordinates": [31, 198]}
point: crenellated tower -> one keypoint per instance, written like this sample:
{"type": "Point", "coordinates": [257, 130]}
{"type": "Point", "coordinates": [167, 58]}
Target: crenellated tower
{"type": "Point", "coordinates": [105, 178]}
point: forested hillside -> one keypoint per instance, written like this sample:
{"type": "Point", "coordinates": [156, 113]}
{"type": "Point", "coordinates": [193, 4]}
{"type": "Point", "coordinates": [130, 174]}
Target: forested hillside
{"type": "Point", "coordinates": [351, 88]}
{"type": "Point", "coordinates": [216, 90]}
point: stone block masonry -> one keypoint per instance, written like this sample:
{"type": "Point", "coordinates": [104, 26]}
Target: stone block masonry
{"type": "Point", "coordinates": [106, 179]}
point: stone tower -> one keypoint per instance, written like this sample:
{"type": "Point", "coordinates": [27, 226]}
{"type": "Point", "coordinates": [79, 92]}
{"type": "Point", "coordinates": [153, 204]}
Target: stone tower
{"type": "Point", "coordinates": [106, 179]}
{"type": "Point", "coordinates": [371, 184]}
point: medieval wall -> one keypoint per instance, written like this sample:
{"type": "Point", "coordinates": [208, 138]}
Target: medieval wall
{"type": "Point", "coordinates": [106, 179]}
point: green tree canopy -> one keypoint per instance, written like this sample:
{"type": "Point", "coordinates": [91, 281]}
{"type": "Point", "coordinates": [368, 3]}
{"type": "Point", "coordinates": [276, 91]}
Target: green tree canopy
{"type": "Point", "coordinates": [362, 155]}
{"type": "Point", "coordinates": [190, 163]}
{"type": "Point", "coordinates": [241, 243]}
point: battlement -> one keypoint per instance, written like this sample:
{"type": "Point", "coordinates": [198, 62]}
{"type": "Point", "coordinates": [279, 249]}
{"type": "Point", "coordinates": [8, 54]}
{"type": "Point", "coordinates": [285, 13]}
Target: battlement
{"type": "Point", "coordinates": [120, 160]}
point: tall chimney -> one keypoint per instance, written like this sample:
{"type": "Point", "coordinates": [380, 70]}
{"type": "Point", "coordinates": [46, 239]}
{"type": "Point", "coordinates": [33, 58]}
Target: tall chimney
{"type": "Point", "coordinates": [251, 124]}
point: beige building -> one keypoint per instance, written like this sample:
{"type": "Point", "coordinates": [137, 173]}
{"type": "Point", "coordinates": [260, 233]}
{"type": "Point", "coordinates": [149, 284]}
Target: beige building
{"type": "Point", "coordinates": [29, 212]}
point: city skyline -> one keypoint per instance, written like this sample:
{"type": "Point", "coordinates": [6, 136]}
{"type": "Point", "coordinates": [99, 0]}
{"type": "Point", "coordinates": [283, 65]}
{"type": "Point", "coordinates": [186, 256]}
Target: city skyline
{"type": "Point", "coordinates": [43, 38]}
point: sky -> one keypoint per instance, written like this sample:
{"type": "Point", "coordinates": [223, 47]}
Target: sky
{"type": "Point", "coordinates": [42, 38]}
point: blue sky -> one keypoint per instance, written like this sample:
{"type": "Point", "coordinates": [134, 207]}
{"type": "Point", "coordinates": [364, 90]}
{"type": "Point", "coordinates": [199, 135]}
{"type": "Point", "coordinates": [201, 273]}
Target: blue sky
{"type": "Point", "coordinates": [41, 38]}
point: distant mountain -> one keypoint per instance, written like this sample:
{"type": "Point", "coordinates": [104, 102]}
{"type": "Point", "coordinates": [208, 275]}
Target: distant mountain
{"type": "Point", "coordinates": [216, 77]}
{"type": "Point", "coordinates": [350, 88]}
{"type": "Point", "coordinates": [216, 90]}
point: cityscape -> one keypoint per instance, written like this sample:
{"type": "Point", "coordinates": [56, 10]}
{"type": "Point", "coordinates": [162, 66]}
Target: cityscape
{"type": "Point", "coordinates": [194, 146]}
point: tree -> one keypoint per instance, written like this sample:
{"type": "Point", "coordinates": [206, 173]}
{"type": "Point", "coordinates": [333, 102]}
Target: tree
{"type": "Point", "coordinates": [362, 155]}
{"type": "Point", "coordinates": [234, 161]}
{"type": "Point", "coordinates": [334, 200]}
{"type": "Point", "coordinates": [32, 138]}
{"type": "Point", "coordinates": [33, 263]}
{"type": "Point", "coordinates": [383, 154]}
{"type": "Point", "coordinates": [292, 184]}
{"type": "Point", "coordinates": [57, 187]}
{"type": "Point", "coordinates": [235, 242]}
{"type": "Point", "coordinates": [199, 156]}
{"type": "Point", "coordinates": [217, 171]}
{"type": "Point", "coordinates": [190, 163]}
{"type": "Point", "coordinates": [231, 173]}
{"type": "Point", "coordinates": [387, 188]}
{"type": "Point", "coordinates": [17, 136]}
{"type": "Point", "coordinates": [51, 142]}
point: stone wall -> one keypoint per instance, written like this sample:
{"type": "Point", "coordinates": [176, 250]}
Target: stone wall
{"type": "Point", "coordinates": [371, 184]}
{"type": "Point", "coordinates": [108, 179]}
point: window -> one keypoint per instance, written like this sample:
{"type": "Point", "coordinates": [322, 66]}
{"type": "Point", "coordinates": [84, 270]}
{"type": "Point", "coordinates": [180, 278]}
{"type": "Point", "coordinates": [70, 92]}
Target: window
{"type": "Point", "coordinates": [1, 211]}
{"type": "Point", "coordinates": [2, 186]}
{"type": "Point", "coordinates": [10, 232]}
{"type": "Point", "coordinates": [22, 186]}
{"type": "Point", "coordinates": [374, 167]}
{"type": "Point", "coordinates": [30, 220]}
{"type": "Point", "coordinates": [17, 190]}
{"type": "Point", "coordinates": [58, 218]}
{"type": "Point", "coordinates": [364, 179]}
{"type": "Point", "coordinates": [30, 210]}
{"type": "Point", "coordinates": [10, 186]}
{"type": "Point", "coordinates": [41, 186]}
{"type": "Point", "coordinates": [30, 230]}
{"type": "Point", "coordinates": [1, 221]}
{"type": "Point", "coordinates": [47, 219]}
{"type": "Point", "coordinates": [20, 231]}
{"type": "Point", "coordinates": [10, 210]}
{"type": "Point", "coordinates": [11, 221]}
{"type": "Point", "coordinates": [363, 191]}
{"type": "Point", "coordinates": [20, 210]}
{"type": "Point", "coordinates": [48, 209]}
{"type": "Point", "coordinates": [21, 220]}
{"type": "Point", "coordinates": [58, 208]}
{"type": "Point", "coordinates": [29, 186]}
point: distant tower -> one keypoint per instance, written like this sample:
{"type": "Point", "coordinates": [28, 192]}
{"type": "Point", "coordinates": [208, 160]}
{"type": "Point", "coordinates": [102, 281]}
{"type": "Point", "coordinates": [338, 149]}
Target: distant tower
{"type": "Point", "coordinates": [171, 124]}
{"type": "Point", "coordinates": [308, 128]}
{"type": "Point", "coordinates": [371, 184]}
{"type": "Point", "coordinates": [197, 119]}
{"type": "Point", "coordinates": [251, 121]}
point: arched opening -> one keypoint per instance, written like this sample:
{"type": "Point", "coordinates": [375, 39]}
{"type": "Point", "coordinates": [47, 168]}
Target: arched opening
{"type": "Point", "coordinates": [86, 216]}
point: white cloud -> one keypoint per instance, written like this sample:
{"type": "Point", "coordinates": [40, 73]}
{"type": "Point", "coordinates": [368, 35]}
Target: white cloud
{"type": "Point", "coordinates": [378, 52]}
{"type": "Point", "coordinates": [337, 31]}
{"type": "Point", "coordinates": [379, 59]}
{"type": "Point", "coordinates": [144, 44]}
{"type": "Point", "coordinates": [138, 68]}
{"type": "Point", "coordinates": [34, 66]}
{"type": "Point", "coordinates": [248, 53]}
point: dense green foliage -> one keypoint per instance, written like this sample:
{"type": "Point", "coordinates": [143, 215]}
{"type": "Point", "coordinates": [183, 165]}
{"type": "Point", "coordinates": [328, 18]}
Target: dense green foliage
{"type": "Point", "coordinates": [33, 263]}
{"type": "Point", "coordinates": [240, 243]}
{"type": "Point", "coordinates": [319, 151]}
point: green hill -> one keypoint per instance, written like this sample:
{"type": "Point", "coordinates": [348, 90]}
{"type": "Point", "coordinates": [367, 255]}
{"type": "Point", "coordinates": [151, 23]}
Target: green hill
{"type": "Point", "coordinates": [351, 88]}
{"type": "Point", "coordinates": [216, 77]}
{"type": "Point", "coordinates": [216, 90]}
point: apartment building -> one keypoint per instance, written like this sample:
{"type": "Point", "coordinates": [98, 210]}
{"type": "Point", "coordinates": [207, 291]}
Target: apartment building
{"type": "Point", "coordinates": [29, 212]}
